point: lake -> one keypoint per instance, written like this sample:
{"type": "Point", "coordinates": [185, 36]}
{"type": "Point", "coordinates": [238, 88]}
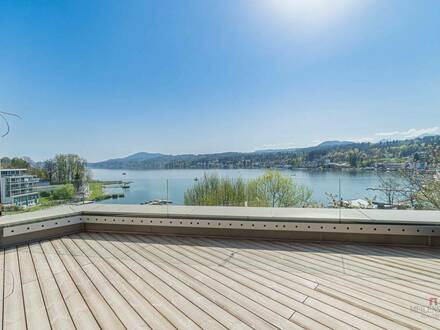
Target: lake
{"type": "Point", "coordinates": [152, 184]}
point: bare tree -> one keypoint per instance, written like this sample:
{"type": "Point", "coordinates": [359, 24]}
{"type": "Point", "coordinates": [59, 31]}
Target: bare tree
{"type": "Point", "coordinates": [4, 116]}
{"type": "Point", "coordinates": [391, 188]}
{"type": "Point", "coordinates": [424, 185]}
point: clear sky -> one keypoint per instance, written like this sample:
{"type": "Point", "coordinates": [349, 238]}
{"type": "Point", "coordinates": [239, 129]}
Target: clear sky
{"type": "Point", "coordinates": [108, 78]}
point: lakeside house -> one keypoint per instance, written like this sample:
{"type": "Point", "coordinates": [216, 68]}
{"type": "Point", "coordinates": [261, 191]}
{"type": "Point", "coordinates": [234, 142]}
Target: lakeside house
{"type": "Point", "coordinates": [18, 188]}
{"type": "Point", "coordinates": [408, 165]}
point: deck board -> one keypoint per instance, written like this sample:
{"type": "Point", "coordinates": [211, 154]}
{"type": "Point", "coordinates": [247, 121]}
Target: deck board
{"type": "Point", "coordinates": [80, 313]}
{"type": "Point", "coordinates": [175, 289]}
{"type": "Point", "coordinates": [345, 312]}
{"type": "Point", "coordinates": [261, 294]}
{"type": "Point", "coordinates": [111, 281]}
{"type": "Point", "coordinates": [368, 301]}
{"type": "Point", "coordinates": [353, 282]}
{"type": "Point", "coordinates": [122, 309]}
{"type": "Point", "coordinates": [223, 295]}
{"type": "Point", "coordinates": [138, 278]}
{"type": "Point", "coordinates": [14, 316]}
{"type": "Point", "coordinates": [289, 276]}
{"type": "Point", "coordinates": [33, 299]}
{"type": "Point", "coordinates": [304, 315]}
{"type": "Point", "coordinates": [98, 305]}
{"type": "Point", "coordinates": [56, 308]}
{"type": "Point", "coordinates": [145, 310]}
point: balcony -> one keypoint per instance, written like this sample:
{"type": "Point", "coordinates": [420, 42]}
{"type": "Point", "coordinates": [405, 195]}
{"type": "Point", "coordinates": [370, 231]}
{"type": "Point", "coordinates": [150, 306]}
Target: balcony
{"type": "Point", "coordinates": [131, 266]}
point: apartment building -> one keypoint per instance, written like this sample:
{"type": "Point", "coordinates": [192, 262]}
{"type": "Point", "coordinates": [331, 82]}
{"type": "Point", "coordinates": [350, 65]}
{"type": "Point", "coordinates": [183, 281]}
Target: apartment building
{"type": "Point", "coordinates": [18, 188]}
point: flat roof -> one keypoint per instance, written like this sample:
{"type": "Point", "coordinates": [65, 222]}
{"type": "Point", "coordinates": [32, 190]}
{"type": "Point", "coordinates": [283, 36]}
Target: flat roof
{"type": "Point", "coordinates": [117, 281]}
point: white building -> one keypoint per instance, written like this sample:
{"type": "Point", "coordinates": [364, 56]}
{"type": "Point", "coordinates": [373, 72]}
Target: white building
{"type": "Point", "coordinates": [18, 188]}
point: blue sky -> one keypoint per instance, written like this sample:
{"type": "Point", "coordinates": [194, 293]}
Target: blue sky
{"type": "Point", "coordinates": [109, 78]}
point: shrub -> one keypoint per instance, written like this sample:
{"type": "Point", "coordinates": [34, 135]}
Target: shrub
{"type": "Point", "coordinates": [65, 192]}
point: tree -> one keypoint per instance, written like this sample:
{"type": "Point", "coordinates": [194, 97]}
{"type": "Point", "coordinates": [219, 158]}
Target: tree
{"type": "Point", "coordinates": [270, 190]}
{"type": "Point", "coordinates": [392, 188]}
{"type": "Point", "coordinates": [65, 192]}
{"type": "Point", "coordinates": [15, 162]}
{"type": "Point", "coordinates": [213, 190]}
{"type": "Point", "coordinates": [354, 157]}
{"type": "Point", "coordinates": [65, 169]}
{"type": "Point", "coordinates": [4, 116]}
{"type": "Point", "coordinates": [273, 189]}
{"type": "Point", "coordinates": [424, 185]}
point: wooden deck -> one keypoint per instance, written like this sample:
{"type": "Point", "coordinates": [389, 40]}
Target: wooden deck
{"type": "Point", "coordinates": [115, 281]}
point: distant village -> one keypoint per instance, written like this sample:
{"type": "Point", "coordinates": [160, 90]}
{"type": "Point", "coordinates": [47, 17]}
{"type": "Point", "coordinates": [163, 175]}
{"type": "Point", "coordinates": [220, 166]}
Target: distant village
{"type": "Point", "coordinates": [418, 161]}
{"type": "Point", "coordinates": [409, 164]}
{"type": "Point", "coordinates": [383, 156]}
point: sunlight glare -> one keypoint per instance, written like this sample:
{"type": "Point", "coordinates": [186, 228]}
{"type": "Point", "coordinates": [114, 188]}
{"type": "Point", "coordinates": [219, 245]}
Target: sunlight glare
{"type": "Point", "coordinates": [310, 15]}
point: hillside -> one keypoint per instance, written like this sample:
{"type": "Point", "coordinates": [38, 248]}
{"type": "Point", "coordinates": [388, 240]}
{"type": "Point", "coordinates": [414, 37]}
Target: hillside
{"type": "Point", "coordinates": [353, 154]}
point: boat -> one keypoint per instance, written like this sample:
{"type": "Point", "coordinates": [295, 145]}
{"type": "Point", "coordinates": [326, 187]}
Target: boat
{"type": "Point", "coordinates": [124, 173]}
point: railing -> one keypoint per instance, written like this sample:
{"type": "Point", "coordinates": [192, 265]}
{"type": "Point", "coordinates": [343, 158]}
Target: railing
{"type": "Point", "coordinates": [366, 226]}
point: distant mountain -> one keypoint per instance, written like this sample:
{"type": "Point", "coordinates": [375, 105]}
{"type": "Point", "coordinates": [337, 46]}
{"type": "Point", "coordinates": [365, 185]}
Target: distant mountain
{"type": "Point", "coordinates": [323, 145]}
{"type": "Point", "coordinates": [140, 156]}
{"type": "Point", "coordinates": [29, 161]}
{"type": "Point", "coordinates": [269, 151]}
{"type": "Point", "coordinates": [330, 144]}
{"type": "Point", "coordinates": [132, 161]}
{"type": "Point", "coordinates": [147, 160]}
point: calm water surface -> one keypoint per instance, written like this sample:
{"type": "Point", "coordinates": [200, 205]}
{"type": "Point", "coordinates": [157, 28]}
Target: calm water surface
{"type": "Point", "coordinates": [152, 184]}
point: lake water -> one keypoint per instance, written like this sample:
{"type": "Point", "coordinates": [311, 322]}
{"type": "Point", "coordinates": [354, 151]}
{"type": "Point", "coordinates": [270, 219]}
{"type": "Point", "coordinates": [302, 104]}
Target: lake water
{"type": "Point", "coordinates": [152, 184]}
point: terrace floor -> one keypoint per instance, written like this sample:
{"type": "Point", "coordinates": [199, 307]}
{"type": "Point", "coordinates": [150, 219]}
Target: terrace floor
{"type": "Point", "coordinates": [97, 280]}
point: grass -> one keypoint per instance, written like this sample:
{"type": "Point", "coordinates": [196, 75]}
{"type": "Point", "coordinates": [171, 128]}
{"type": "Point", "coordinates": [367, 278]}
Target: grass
{"type": "Point", "coordinates": [96, 193]}
{"type": "Point", "coordinates": [45, 203]}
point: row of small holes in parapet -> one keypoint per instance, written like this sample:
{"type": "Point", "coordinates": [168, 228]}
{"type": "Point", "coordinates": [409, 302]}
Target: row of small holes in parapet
{"type": "Point", "coordinates": [42, 226]}
{"type": "Point", "coordinates": [180, 222]}
{"type": "Point", "coordinates": [253, 225]}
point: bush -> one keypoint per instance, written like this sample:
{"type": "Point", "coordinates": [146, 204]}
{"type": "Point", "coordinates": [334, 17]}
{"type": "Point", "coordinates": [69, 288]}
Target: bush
{"type": "Point", "coordinates": [65, 192]}
{"type": "Point", "coordinates": [45, 194]}
{"type": "Point", "coordinates": [12, 208]}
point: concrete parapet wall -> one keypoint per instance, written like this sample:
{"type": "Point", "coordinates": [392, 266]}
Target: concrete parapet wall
{"type": "Point", "coordinates": [364, 226]}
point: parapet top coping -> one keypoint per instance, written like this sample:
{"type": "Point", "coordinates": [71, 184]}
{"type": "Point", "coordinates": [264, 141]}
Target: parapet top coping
{"type": "Point", "coordinates": [313, 215]}
{"type": "Point", "coordinates": [37, 216]}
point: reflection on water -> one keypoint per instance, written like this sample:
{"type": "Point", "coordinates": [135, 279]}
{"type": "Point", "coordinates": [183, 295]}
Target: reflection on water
{"type": "Point", "coordinates": [152, 184]}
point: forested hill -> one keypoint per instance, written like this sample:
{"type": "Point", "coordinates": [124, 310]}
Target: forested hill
{"type": "Point", "coordinates": [353, 154]}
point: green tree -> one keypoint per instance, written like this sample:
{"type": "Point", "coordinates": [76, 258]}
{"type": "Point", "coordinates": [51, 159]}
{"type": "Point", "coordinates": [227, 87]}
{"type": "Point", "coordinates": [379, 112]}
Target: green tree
{"type": "Point", "coordinates": [270, 190]}
{"type": "Point", "coordinates": [213, 190]}
{"type": "Point", "coordinates": [273, 189]}
{"type": "Point", "coordinates": [354, 158]}
{"type": "Point", "coordinates": [66, 192]}
{"type": "Point", "coordinates": [68, 168]}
